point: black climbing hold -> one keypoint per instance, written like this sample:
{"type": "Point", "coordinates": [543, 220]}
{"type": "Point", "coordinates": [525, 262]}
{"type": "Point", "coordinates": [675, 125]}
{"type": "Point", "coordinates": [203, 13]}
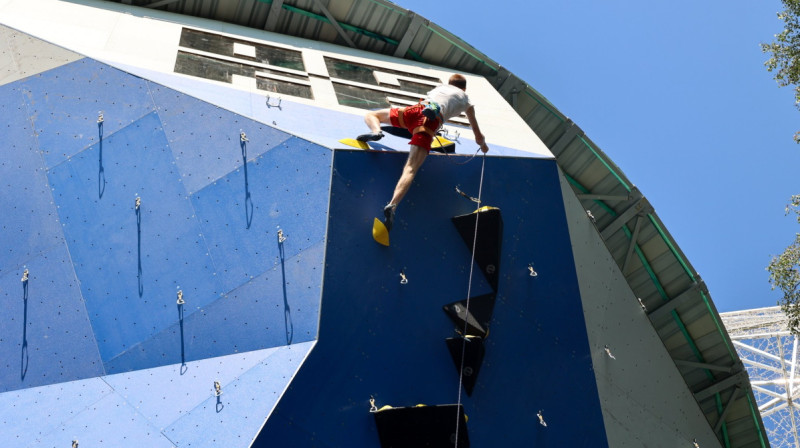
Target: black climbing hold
{"type": "Point", "coordinates": [488, 241]}
{"type": "Point", "coordinates": [475, 321]}
{"type": "Point", "coordinates": [473, 350]}
{"type": "Point", "coordinates": [422, 426]}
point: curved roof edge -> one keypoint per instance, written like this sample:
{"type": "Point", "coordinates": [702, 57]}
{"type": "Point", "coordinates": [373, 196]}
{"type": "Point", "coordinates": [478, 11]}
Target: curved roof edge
{"type": "Point", "coordinates": [669, 288]}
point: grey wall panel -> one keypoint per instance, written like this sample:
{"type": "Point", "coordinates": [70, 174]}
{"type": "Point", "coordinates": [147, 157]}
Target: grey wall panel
{"type": "Point", "coordinates": [644, 399]}
{"type": "Point", "coordinates": [22, 55]}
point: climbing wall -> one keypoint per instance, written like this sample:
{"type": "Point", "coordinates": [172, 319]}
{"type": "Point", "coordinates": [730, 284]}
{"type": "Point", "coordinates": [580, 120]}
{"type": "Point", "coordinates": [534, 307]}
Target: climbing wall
{"type": "Point", "coordinates": [169, 267]}
{"type": "Point", "coordinates": [157, 271]}
{"type": "Point", "coordinates": [384, 338]}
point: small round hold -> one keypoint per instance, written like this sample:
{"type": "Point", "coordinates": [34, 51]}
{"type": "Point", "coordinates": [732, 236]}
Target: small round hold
{"type": "Point", "coordinates": [490, 269]}
{"type": "Point", "coordinates": [468, 371]}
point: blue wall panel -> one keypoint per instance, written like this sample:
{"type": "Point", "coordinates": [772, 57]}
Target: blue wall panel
{"type": "Point", "coordinates": [279, 307]}
{"type": "Point", "coordinates": [64, 104]}
{"type": "Point", "coordinates": [383, 339]}
{"type": "Point", "coordinates": [45, 334]}
{"type": "Point", "coordinates": [29, 222]}
{"type": "Point", "coordinates": [128, 265]}
{"type": "Point", "coordinates": [104, 237]}
{"type": "Point", "coordinates": [288, 188]}
{"type": "Point", "coordinates": [208, 152]}
{"type": "Point", "coordinates": [101, 297]}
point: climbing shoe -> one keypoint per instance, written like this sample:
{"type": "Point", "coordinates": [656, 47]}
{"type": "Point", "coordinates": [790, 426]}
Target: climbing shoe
{"type": "Point", "coordinates": [388, 213]}
{"type": "Point", "coordinates": [370, 137]}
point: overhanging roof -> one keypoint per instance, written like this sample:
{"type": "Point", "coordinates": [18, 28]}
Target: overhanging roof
{"type": "Point", "coordinates": [670, 289]}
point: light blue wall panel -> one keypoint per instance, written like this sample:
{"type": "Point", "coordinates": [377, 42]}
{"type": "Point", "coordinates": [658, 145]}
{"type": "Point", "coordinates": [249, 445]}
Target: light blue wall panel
{"type": "Point", "coordinates": [209, 152]}
{"type": "Point", "coordinates": [91, 428]}
{"type": "Point", "coordinates": [45, 333]}
{"type": "Point", "coordinates": [105, 237]}
{"type": "Point", "coordinates": [235, 417]}
{"type": "Point", "coordinates": [29, 222]}
{"type": "Point", "coordinates": [165, 394]}
{"type": "Point", "coordinates": [29, 415]}
{"type": "Point", "coordinates": [64, 104]}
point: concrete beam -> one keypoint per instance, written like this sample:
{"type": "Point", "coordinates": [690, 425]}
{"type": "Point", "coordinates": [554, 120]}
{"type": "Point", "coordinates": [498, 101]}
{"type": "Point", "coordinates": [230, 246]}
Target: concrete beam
{"type": "Point", "coordinates": [335, 23]}
{"type": "Point", "coordinates": [273, 15]}
{"type": "Point", "coordinates": [408, 37]}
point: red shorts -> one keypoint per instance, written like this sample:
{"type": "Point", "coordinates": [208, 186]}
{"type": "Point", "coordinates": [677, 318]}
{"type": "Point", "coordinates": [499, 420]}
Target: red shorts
{"type": "Point", "coordinates": [421, 128]}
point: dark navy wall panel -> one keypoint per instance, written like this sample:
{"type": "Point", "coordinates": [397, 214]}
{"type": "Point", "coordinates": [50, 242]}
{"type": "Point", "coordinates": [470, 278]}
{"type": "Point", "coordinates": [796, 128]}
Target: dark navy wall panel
{"type": "Point", "coordinates": [28, 222]}
{"type": "Point", "coordinates": [45, 333]}
{"type": "Point", "coordinates": [208, 152]}
{"type": "Point", "coordinates": [288, 188]}
{"type": "Point", "coordinates": [65, 102]}
{"type": "Point", "coordinates": [279, 307]}
{"type": "Point", "coordinates": [383, 339]}
{"type": "Point", "coordinates": [104, 236]}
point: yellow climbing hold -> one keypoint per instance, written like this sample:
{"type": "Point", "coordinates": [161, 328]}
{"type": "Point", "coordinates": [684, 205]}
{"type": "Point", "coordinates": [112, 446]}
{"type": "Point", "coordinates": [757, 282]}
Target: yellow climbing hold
{"type": "Point", "coordinates": [379, 232]}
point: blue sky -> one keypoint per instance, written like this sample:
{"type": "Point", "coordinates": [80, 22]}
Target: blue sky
{"type": "Point", "coordinates": [676, 93]}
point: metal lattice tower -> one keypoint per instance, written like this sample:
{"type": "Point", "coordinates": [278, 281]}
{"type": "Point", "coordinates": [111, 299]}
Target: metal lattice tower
{"type": "Point", "coordinates": [769, 352]}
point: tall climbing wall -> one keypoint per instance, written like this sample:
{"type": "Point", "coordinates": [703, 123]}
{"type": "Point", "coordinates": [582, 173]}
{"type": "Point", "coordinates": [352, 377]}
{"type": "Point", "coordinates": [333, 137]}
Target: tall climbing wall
{"type": "Point", "coordinates": [385, 338]}
{"type": "Point", "coordinates": [169, 268]}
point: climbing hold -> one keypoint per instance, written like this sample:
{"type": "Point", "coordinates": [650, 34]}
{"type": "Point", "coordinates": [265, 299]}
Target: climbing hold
{"type": "Point", "coordinates": [470, 364]}
{"type": "Point", "coordinates": [487, 239]}
{"type": "Point", "coordinates": [380, 233]}
{"type": "Point", "coordinates": [418, 426]}
{"type": "Point", "coordinates": [474, 321]}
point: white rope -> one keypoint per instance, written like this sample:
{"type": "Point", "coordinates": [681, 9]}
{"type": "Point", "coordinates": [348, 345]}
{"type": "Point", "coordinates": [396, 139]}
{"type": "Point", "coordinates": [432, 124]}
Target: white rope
{"type": "Point", "coordinates": [466, 319]}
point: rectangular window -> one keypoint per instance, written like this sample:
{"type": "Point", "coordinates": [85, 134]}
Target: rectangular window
{"type": "Point", "coordinates": [364, 98]}
{"type": "Point", "coordinates": [363, 73]}
{"type": "Point", "coordinates": [242, 49]}
{"type": "Point", "coordinates": [223, 71]}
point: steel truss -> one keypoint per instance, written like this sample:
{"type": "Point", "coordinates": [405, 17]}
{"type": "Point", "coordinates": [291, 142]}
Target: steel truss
{"type": "Point", "coordinates": [769, 353]}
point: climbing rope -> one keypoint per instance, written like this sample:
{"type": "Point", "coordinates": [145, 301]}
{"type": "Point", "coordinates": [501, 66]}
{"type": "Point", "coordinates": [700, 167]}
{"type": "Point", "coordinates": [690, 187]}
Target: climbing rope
{"type": "Point", "coordinates": [469, 293]}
